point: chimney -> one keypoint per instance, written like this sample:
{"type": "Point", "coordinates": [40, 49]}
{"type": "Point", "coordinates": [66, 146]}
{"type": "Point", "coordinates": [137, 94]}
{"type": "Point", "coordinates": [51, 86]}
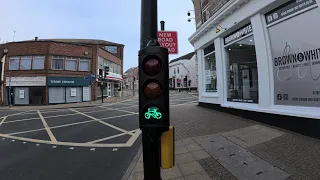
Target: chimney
{"type": "Point", "coordinates": [36, 38]}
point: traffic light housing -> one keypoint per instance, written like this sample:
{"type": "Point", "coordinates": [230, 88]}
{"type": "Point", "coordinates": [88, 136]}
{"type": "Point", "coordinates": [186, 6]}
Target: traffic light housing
{"type": "Point", "coordinates": [185, 81]}
{"type": "Point", "coordinates": [100, 74]}
{"type": "Point", "coordinates": [154, 89]}
{"type": "Point", "coordinates": [106, 71]}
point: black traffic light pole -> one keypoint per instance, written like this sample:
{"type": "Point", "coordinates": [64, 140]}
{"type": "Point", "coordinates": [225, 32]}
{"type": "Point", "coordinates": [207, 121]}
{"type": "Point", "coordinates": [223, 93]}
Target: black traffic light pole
{"type": "Point", "coordinates": [150, 141]}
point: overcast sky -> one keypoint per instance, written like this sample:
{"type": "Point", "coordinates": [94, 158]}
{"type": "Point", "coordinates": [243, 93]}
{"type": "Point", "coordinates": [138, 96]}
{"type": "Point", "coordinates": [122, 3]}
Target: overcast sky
{"type": "Point", "coordinates": [112, 20]}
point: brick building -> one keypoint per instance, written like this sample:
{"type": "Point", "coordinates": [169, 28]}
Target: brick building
{"type": "Point", "coordinates": [52, 71]}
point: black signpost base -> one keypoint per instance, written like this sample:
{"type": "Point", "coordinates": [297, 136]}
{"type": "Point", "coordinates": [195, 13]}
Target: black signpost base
{"type": "Point", "coordinates": [151, 156]}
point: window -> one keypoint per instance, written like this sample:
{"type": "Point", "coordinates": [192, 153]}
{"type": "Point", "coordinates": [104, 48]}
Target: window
{"type": "Point", "coordinates": [111, 67]}
{"type": "Point", "coordinates": [242, 74]}
{"type": "Point", "coordinates": [25, 63]}
{"type": "Point", "coordinates": [57, 62]}
{"type": "Point", "coordinates": [84, 64]}
{"type": "Point", "coordinates": [71, 63]}
{"type": "Point", "coordinates": [174, 70]}
{"type": "Point", "coordinates": [211, 73]}
{"type": "Point", "coordinates": [38, 62]}
{"type": "Point", "coordinates": [14, 63]}
{"type": "Point", "coordinates": [210, 68]}
{"type": "Point", "coordinates": [178, 70]}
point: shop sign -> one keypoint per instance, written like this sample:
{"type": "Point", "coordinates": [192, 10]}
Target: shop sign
{"type": "Point", "coordinates": [114, 76]}
{"type": "Point", "coordinates": [73, 92]}
{"type": "Point", "coordinates": [67, 81]}
{"type": "Point", "coordinates": [238, 34]}
{"type": "Point", "coordinates": [210, 75]}
{"type": "Point", "coordinates": [296, 61]}
{"type": "Point", "coordinates": [290, 8]}
{"type": "Point", "coordinates": [86, 94]}
{"type": "Point", "coordinates": [26, 81]}
{"type": "Point", "coordinates": [21, 94]}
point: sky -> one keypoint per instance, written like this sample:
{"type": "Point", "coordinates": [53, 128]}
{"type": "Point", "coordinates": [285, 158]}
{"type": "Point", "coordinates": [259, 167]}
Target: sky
{"type": "Point", "coordinates": [111, 20]}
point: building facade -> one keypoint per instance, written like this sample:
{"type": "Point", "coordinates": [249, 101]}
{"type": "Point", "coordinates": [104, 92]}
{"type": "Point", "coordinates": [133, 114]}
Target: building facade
{"type": "Point", "coordinates": [131, 77]}
{"type": "Point", "coordinates": [182, 72]}
{"type": "Point", "coordinates": [53, 71]}
{"type": "Point", "coordinates": [260, 56]}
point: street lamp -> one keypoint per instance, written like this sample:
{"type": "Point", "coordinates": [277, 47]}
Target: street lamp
{"type": "Point", "coordinates": [5, 51]}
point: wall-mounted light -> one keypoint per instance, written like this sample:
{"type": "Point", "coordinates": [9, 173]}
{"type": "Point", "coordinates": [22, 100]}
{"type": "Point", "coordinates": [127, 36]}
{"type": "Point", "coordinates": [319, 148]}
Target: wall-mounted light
{"type": "Point", "coordinates": [5, 51]}
{"type": "Point", "coordinates": [218, 29]}
{"type": "Point", "coordinates": [86, 53]}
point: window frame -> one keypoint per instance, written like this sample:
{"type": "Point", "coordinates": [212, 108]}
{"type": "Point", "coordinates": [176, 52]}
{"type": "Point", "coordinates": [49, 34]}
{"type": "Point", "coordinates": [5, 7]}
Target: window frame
{"type": "Point", "coordinates": [38, 57]}
{"type": "Point", "coordinates": [70, 58]}
{"type": "Point", "coordinates": [63, 60]}
{"type": "Point", "coordinates": [84, 60]}
{"type": "Point", "coordinates": [204, 72]}
{"type": "Point", "coordinates": [14, 57]}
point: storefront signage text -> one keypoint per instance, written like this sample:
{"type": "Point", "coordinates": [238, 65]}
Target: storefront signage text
{"type": "Point", "coordinates": [288, 9]}
{"type": "Point", "coordinates": [67, 81]}
{"type": "Point", "coordinates": [26, 81]}
{"type": "Point", "coordinates": [238, 34]}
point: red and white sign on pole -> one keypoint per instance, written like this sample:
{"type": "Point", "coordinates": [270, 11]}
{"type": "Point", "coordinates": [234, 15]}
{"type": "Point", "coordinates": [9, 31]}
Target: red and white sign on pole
{"type": "Point", "coordinates": [169, 40]}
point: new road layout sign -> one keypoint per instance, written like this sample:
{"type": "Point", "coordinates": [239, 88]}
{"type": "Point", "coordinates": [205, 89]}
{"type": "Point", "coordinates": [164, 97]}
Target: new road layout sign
{"type": "Point", "coordinates": [169, 40]}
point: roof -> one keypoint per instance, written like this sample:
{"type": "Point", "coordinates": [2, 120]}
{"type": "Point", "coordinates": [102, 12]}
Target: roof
{"type": "Point", "coordinates": [81, 41]}
{"type": "Point", "coordinates": [131, 70]}
{"type": "Point", "coordinates": [184, 57]}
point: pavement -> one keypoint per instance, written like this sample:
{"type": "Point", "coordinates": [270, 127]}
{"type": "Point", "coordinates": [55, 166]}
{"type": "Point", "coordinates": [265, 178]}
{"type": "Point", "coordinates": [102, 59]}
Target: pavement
{"type": "Point", "coordinates": [65, 142]}
{"type": "Point", "coordinates": [212, 145]}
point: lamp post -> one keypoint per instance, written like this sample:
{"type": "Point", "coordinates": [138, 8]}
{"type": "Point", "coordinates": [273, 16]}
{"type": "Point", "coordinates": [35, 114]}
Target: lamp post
{"type": "Point", "coordinates": [5, 51]}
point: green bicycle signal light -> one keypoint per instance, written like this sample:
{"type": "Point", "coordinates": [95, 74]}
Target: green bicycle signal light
{"type": "Point", "coordinates": [153, 112]}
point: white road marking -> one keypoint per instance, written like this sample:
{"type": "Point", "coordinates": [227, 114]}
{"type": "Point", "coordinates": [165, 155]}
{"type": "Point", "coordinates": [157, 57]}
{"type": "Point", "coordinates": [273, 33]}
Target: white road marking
{"type": "Point", "coordinates": [134, 138]}
{"type": "Point", "coordinates": [64, 143]}
{"type": "Point", "coordinates": [65, 125]}
{"type": "Point", "coordinates": [25, 112]}
{"type": "Point", "coordinates": [92, 149]}
{"type": "Point", "coordinates": [120, 110]}
{"type": "Point", "coordinates": [110, 137]}
{"type": "Point", "coordinates": [13, 140]}
{"type": "Point", "coordinates": [3, 138]}
{"type": "Point", "coordinates": [3, 119]}
{"type": "Point", "coordinates": [54, 147]}
{"type": "Point", "coordinates": [192, 102]}
{"type": "Point", "coordinates": [115, 149]}
{"type": "Point", "coordinates": [72, 148]}
{"type": "Point", "coordinates": [29, 119]}
{"type": "Point", "coordinates": [129, 106]}
{"type": "Point", "coordinates": [24, 142]}
{"type": "Point", "coordinates": [37, 144]}
{"type": "Point", "coordinates": [53, 139]}
{"type": "Point", "coordinates": [102, 122]}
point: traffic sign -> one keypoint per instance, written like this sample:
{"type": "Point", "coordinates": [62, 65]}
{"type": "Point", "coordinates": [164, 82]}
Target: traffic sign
{"type": "Point", "coordinates": [89, 77]}
{"type": "Point", "coordinates": [169, 40]}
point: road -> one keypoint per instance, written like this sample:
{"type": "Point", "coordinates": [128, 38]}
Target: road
{"type": "Point", "coordinates": [78, 143]}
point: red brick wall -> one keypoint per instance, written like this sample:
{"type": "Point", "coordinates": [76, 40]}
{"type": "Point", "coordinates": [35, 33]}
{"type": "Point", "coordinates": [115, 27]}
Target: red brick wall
{"type": "Point", "coordinates": [48, 49]}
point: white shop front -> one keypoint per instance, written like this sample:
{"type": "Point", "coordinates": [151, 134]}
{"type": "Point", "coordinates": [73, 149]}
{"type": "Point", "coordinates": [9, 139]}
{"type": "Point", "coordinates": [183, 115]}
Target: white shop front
{"type": "Point", "coordinates": [25, 90]}
{"type": "Point", "coordinates": [266, 60]}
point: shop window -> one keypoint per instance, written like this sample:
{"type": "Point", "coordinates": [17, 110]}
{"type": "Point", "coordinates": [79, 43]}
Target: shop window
{"type": "Point", "coordinates": [84, 64]}
{"type": "Point", "coordinates": [174, 70]}
{"type": "Point", "coordinates": [71, 63]}
{"type": "Point", "coordinates": [111, 67]}
{"type": "Point", "coordinates": [211, 73]}
{"type": "Point", "coordinates": [38, 62]}
{"type": "Point", "coordinates": [14, 63]}
{"type": "Point", "coordinates": [58, 62]}
{"type": "Point", "coordinates": [25, 63]}
{"type": "Point", "coordinates": [242, 74]}
{"type": "Point", "coordinates": [178, 70]}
